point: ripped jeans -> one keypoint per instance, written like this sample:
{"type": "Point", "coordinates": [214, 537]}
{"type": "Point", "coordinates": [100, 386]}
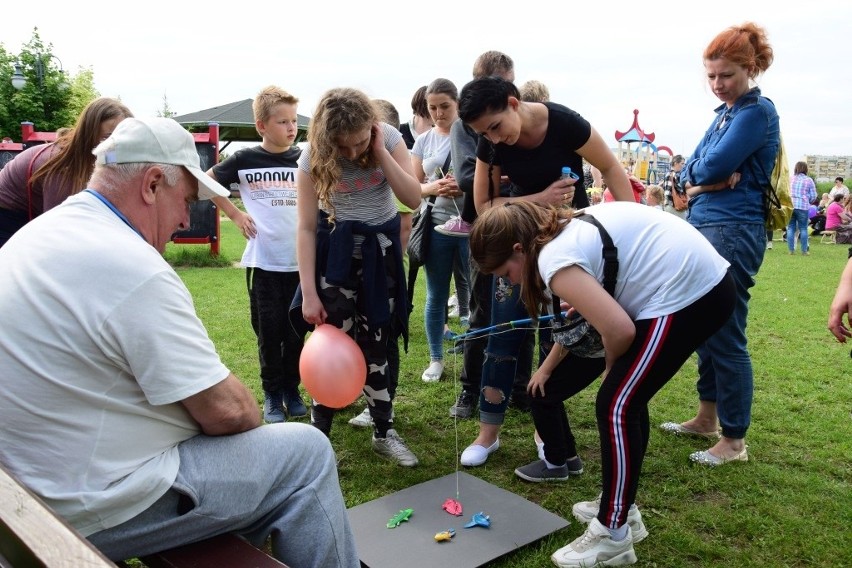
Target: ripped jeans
{"type": "Point", "coordinates": [502, 353]}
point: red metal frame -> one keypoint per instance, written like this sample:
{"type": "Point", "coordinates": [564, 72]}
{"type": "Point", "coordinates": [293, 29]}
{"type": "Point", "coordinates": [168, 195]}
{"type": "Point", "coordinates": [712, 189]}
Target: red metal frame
{"type": "Point", "coordinates": [29, 135]}
{"type": "Point", "coordinates": [209, 137]}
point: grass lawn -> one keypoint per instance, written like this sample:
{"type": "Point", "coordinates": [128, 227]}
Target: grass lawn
{"type": "Point", "coordinates": [791, 505]}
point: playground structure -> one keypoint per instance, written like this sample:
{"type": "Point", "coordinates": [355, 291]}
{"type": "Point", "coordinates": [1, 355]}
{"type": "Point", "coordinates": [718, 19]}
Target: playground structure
{"type": "Point", "coordinates": [204, 215]}
{"type": "Point", "coordinates": [29, 137]}
{"type": "Point", "coordinates": [643, 161]}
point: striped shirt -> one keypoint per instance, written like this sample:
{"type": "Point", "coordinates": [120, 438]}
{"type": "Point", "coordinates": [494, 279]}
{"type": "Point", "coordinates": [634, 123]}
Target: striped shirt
{"type": "Point", "coordinates": [362, 194]}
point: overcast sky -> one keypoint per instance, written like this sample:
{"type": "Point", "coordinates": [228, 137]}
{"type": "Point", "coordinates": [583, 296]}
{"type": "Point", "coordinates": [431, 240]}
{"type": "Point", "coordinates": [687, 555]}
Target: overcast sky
{"type": "Point", "coordinates": [601, 58]}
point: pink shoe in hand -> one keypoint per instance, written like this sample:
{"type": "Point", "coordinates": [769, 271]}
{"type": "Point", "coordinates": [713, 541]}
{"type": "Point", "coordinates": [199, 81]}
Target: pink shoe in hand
{"type": "Point", "coordinates": [454, 227]}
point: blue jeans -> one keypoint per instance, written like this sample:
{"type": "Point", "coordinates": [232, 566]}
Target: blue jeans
{"type": "Point", "coordinates": [799, 221]}
{"type": "Point", "coordinates": [503, 350]}
{"type": "Point", "coordinates": [724, 364]}
{"type": "Point", "coordinates": [443, 250]}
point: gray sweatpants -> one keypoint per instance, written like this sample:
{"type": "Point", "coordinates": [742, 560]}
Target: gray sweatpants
{"type": "Point", "coordinates": [278, 481]}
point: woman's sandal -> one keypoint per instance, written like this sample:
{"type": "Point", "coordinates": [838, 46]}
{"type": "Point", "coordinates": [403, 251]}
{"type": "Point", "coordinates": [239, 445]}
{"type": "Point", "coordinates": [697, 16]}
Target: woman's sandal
{"type": "Point", "coordinates": [681, 430]}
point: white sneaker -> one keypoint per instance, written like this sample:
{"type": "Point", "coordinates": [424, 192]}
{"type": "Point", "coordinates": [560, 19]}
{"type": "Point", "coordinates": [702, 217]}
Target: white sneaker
{"type": "Point", "coordinates": [596, 548]}
{"type": "Point", "coordinates": [586, 511]}
{"type": "Point", "coordinates": [393, 447]}
{"type": "Point", "coordinates": [433, 372]}
{"type": "Point", "coordinates": [362, 420]}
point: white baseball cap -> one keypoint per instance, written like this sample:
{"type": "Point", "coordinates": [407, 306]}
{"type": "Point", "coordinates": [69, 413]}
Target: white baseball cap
{"type": "Point", "coordinates": [157, 141]}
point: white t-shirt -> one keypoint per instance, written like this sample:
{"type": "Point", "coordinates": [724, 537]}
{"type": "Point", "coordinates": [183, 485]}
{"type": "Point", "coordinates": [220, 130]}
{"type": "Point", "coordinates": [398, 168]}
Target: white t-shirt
{"type": "Point", "coordinates": [665, 264]}
{"type": "Point", "coordinates": [841, 189]}
{"type": "Point", "coordinates": [99, 342]}
{"type": "Point", "coordinates": [267, 184]}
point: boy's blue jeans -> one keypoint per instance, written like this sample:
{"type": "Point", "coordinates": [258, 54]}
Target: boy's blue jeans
{"type": "Point", "coordinates": [724, 363]}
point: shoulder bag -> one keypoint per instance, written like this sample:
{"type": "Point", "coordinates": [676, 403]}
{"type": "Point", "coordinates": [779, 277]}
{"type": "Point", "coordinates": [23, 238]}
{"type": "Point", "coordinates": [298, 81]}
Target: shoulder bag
{"type": "Point", "coordinates": [576, 334]}
{"type": "Point", "coordinates": [421, 229]}
{"type": "Point", "coordinates": [680, 200]}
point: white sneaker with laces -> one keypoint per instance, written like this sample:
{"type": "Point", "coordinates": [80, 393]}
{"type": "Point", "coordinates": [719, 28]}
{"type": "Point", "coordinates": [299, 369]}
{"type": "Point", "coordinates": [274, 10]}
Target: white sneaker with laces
{"type": "Point", "coordinates": [393, 447]}
{"type": "Point", "coordinates": [433, 372]}
{"type": "Point", "coordinates": [586, 511]}
{"type": "Point", "coordinates": [596, 548]}
{"type": "Point", "coordinates": [362, 420]}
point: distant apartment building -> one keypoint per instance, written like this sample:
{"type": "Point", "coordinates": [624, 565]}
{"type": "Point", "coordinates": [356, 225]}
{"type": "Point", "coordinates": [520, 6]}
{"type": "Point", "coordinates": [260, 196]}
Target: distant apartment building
{"type": "Point", "coordinates": [829, 167]}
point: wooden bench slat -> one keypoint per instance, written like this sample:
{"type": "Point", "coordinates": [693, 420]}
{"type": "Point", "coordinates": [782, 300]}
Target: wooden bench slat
{"type": "Point", "coordinates": [31, 534]}
{"type": "Point", "coordinates": [227, 550]}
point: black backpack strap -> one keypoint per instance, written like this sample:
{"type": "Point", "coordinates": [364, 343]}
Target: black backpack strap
{"type": "Point", "coordinates": [610, 258]}
{"type": "Point", "coordinates": [610, 254]}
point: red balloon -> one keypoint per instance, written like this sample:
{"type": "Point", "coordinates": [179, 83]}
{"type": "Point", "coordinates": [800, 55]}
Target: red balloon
{"type": "Point", "coordinates": [332, 367]}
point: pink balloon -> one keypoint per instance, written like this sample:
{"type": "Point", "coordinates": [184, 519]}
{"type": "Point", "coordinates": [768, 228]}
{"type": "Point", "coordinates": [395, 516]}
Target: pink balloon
{"type": "Point", "coordinates": [332, 367]}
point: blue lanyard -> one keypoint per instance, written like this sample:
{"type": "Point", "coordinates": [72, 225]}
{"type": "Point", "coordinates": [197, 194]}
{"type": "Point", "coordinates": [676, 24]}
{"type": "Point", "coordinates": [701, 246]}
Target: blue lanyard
{"type": "Point", "coordinates": [113, 208]}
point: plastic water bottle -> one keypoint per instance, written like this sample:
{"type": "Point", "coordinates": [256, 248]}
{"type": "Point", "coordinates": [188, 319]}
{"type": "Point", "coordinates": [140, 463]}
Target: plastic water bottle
{"type": "Point", "coordinates": [568, 174]}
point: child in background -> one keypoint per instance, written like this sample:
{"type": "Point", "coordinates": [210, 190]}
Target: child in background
{"type": "Point", "coordinates": [654, 196]}
{"type": "Point", "coordinates": [266, 175]}
{"type": "Point", "coordinates": [349, 251]}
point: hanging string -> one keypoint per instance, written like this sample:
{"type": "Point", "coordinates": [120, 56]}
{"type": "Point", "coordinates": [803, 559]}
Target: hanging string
{"type": "Point", "coordinates": [505, 327]}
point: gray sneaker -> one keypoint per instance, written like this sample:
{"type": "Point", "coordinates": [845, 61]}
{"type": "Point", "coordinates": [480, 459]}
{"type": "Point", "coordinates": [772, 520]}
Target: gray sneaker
{"type": "Point", "coordinates": [394, 448]}
{"type": "Point", "coordinates": [585, 511]}
{"type": "Point", "coordinates": [538, 471]}
{"type": "Point", "coordinates": [465, 405]}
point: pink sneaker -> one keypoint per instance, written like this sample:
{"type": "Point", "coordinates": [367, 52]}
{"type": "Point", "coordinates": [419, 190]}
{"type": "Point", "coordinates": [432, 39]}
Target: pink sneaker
{"type": "Point", "coordinates": [454, 227]}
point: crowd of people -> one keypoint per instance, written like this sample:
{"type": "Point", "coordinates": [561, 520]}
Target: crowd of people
{"type": "Point", "coordinates": [162, 445]}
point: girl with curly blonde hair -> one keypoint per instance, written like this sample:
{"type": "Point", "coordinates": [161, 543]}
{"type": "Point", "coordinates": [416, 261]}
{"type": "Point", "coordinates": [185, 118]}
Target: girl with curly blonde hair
{"type": "Point", "coordinates": [348, 244]}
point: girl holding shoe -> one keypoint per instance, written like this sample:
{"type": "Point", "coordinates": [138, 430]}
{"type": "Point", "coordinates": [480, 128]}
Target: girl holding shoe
{"type": "Point", "coordinates": [430, 157]}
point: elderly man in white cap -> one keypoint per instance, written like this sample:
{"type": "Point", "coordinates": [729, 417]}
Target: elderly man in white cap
{"type": "Point", "coordinates": [116, 408]}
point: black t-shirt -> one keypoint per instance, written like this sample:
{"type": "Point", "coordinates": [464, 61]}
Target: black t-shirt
{"type": "Point", "coordinates": [533, 169]}
{"type": "Point", "coordinates": [407, 135]}
{"type": "Point", "coordinates": [254, 158]}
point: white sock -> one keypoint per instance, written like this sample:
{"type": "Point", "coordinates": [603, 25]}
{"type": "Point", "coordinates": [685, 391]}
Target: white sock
{"type": "Point", "coordinates": [619, 534]}
{"type": "Point", "coordinates": [551, 466]}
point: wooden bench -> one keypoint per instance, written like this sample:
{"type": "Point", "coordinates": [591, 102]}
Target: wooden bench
{"type": "Point", "coordinates": [225, 551]}
{"type": "Point", "coordinates": [828, 237]}
{"type": "Point", "coordinates": [32, 535]}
